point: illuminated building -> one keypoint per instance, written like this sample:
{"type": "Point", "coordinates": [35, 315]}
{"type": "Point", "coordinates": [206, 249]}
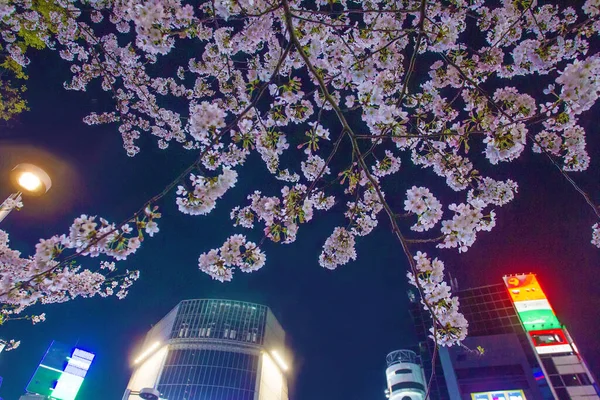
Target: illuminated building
{"type": "Point", "coordinates": [60, 373]}
{"type": "Point", "coordinates": [527, 353]}
{"type": "Point", "coordinates": [405, 379]}
{"type": "Point", "coordinates": [214, 349]}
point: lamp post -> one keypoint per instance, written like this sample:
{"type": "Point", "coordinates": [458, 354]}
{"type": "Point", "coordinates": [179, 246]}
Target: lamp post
{"type": "Point", "coordinates": [145, 393]}
{"type": "Point", "coordinates": [29, 180]}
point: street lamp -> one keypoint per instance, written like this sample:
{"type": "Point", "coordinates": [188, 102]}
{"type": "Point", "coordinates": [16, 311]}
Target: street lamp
{"type": "Point", "coordinates": [145, 393]}
{"type": "Point", "coordinates": [29, 180]}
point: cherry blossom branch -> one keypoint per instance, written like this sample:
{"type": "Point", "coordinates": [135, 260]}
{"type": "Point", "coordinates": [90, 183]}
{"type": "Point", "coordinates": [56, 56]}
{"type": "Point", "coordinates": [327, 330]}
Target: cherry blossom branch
{"type": "Point", "coordinates": [355, 145]}
{"type": "Point", "coordinates": [413, 57]}
{"type": "Point", "coordinates": [160, 195]}
{"type": "Point", "coordinates": [358, 11]}
{"type": "Point", "coordinates": [432, 240]}
{"type": "Point", "coordinates": [489, 98]}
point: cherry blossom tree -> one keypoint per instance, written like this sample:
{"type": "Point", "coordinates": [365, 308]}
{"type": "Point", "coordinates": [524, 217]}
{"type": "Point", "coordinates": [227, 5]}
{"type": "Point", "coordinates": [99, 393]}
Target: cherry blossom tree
{"type": "Point", "coordinates": [356, 88]}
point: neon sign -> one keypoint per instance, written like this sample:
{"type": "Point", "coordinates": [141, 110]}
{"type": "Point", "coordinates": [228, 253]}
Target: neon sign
{"type": "Point", "coordinates": [499, 395]}
{"type": "Point", "coordinates": [531, 303]}
{"type": "Point", "coordinates": [536, 314]}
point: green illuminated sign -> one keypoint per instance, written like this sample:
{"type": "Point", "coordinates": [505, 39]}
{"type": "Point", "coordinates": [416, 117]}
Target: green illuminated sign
{"type": "Point", "coordinates": [535, 320]}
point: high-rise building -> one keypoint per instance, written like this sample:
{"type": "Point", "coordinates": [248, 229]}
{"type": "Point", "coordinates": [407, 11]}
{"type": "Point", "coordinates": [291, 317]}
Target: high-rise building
{"type": "Point", "coordinates": [60, 373]}
{"type": "Point", "coordinates": [214, 350]}
{"type": "Point", "coordinates": [405, 379]}
{"type": "Point", "coordinates": [516, 349]}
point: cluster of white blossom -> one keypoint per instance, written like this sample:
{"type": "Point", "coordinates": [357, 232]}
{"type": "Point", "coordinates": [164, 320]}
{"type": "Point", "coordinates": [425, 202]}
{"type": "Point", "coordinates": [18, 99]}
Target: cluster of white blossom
{"type": "Point", "coordinates": [282, 216]}
{"type": "Point", "coordinates": [596, 235]}
{"type": "Point", "coordinates": [490, 191]}
{"type": "Point", "coordinates": [43, 278]}
{"type": "Point", "coordinates": [461, 230]}
{"type": "Point", "coordinates": [202, 199]}
{"type": "Point", "coordinates": [363, 214]}
{"type": "Point", "coordinates": [388, 166]}
{"type": "Point", "coordinates": [420, 201]}
{"type": "Point", "coordinates": [12, 204]}
{"type": "Point", "coordinates": [152, 20]}
{"type": "Point", "coordinates": [314, 167]}
{"type": "Point", "coordinates": [338, 249]}
{"type": "Point", "coordinates": [10, 344]}
{"type": "Point", "coordinates": [235, 252]}
{"type": "Point", "coordinates": [36, 319]}
{"type": "Point", "coordinates": [580, 84]}
{"type": "Point", "coordinates": [449, 325]}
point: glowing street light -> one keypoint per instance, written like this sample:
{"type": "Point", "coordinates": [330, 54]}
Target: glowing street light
{"type": "Point", "coordinates": [145, 393]}
{"type": "Point", "coordinates": [28, 179]}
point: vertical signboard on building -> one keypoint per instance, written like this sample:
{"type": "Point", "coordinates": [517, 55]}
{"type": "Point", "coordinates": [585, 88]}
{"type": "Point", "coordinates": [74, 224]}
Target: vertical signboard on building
{"type": "Point", "coordinates": [61, 372]}
{"type": "Point", "coordinates": [536, 314]}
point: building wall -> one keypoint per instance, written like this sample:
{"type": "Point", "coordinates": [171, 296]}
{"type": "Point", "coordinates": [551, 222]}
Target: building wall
{"type": "Point", "coordinates": [146, 373]}
{"type": "Point", "coordinates": [273, 384]}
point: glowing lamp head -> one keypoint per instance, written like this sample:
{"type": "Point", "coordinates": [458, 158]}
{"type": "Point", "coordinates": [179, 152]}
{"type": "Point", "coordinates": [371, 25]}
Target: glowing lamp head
{"type": "Point", "coordinates": [30, 179]}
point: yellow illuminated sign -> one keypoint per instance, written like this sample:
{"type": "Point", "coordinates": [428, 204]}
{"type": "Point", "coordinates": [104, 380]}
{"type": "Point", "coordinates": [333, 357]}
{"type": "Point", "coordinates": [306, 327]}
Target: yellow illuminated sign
{"type": "Point", "coordinates": [524, 288]}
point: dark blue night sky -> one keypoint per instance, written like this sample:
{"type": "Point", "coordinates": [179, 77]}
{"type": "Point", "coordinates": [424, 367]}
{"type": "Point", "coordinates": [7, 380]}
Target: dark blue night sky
{"type": "Point", "coordinates": [340, 324]}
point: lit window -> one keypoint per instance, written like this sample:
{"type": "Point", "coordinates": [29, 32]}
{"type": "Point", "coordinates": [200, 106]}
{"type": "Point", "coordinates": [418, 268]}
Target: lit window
{"type": "Point", "coordinates": [571, 380]}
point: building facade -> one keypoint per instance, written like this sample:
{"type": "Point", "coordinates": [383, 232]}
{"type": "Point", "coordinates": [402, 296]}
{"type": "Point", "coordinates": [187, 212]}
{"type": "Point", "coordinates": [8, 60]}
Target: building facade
{"type": "Point", "coordinates": [405, 378]}
{"type": "Point", "coordinates": [214, 350]}
{"type": "Point", "coordinates": [527, 352]}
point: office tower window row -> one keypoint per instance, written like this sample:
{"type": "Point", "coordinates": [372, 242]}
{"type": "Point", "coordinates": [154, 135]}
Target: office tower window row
{"type": "Point", "coordinates": [490, 311]}
{"type": "Point", "coordinates": [208, 374]}
{"type": "Point", "coordinates": [229, 320]}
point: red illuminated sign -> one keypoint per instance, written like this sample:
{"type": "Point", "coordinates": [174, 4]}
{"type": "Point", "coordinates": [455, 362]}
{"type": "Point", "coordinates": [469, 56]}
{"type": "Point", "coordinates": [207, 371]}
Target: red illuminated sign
{"type": "Point", "coordinates": [550, 341]}
{"type": "Point", "coordinates": [548, 337]}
